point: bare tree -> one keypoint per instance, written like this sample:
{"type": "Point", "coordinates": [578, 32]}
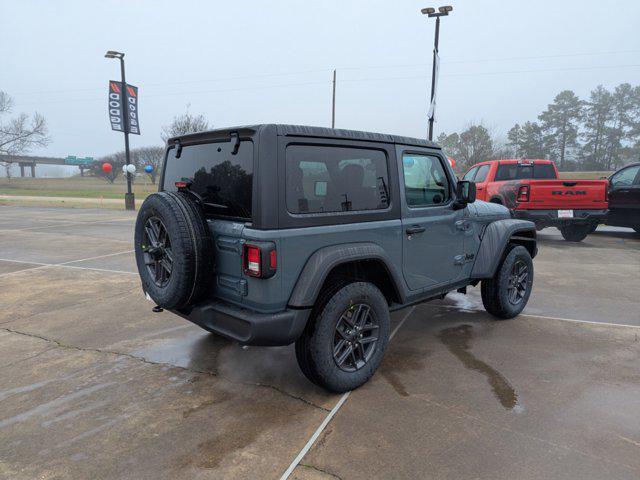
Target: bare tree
{"type": "Point", "coordinates": [20, 134]}
{"type": "Point", "coordinates": [149, 156]}
{"type": "Point", "coordinates": [183, 124]}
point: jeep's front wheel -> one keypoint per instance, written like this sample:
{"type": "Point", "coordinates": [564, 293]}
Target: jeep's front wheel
{"type": "Point", "coordinates": [346, 338]}
{"type": "Point", "coordinates": [507, 293]}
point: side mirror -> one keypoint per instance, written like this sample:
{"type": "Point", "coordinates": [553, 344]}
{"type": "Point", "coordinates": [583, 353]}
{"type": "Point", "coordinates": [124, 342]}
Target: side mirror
{"type": "Point", "coordinates": [465, 193]}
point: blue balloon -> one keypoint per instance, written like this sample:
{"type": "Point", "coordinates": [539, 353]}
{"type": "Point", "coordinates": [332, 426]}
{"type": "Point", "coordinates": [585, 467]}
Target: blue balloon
{"type": "Point", "coordinates": [148, 168]}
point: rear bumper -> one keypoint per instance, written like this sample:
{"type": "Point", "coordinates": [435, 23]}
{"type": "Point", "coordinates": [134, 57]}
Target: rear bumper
{"type": "Point", "coordinates": [549, 218]}
{"type": "Point", "coordinates": [248, 326]}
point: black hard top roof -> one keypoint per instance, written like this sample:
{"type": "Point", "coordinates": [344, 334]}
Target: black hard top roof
{"type": "Point", "coordinates": [306, 131]}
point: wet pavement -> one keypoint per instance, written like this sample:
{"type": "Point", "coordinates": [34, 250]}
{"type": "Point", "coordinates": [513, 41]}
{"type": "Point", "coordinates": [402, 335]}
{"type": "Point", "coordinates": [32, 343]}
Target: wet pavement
{"type": "Point", "coordinates": [94, 385]}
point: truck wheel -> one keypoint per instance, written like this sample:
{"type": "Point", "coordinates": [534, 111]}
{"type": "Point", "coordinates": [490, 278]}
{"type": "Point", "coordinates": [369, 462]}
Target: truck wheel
{"type": "Point", "coordinates": [346, 338]}
{"type": "Point", "coordinates": [575, 233]}
{"type": "Point", "coordinates": [637, 229]}
{"type": "Point", "coordinates": [174, 250]}
{"type": "Point", "coordinates": [507, 293]}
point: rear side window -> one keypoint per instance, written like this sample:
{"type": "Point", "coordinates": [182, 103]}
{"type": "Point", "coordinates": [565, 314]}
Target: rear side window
{"type": "Point", "coordinates": [335, 179]}
{"type": "Point", "coordinates": [425, 181]}
{"type": "Point", "coordinates": [224, 181]}
{"type": "Point", "coordinates": [481, 176]}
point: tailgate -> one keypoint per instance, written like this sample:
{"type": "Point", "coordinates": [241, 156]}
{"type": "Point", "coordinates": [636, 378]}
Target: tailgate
{"type": "Point", "coordinates": [566, 194]}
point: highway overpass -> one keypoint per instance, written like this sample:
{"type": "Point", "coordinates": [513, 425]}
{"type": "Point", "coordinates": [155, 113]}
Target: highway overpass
{"type": "Point", "coordinates": [25, 161]}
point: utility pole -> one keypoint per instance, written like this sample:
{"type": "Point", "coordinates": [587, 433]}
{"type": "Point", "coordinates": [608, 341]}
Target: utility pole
{"type": "Point", "coordinates": [129, 197]}
{"type": "Point", "coordinates": [333, 102]}
{"type": "Point", "coordinates": [431, 12]}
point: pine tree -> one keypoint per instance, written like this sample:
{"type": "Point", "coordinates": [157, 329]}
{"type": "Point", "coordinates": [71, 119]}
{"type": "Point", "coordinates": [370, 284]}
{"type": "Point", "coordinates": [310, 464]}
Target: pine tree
{"type": "Point", "coordinates": [533, 143]}
{"type": "Point", "coordinates": [560, 122]}
{"type": "Point", "coordinates": [514, 140]}
{"type": "Point", "coordinates": [597, 115]}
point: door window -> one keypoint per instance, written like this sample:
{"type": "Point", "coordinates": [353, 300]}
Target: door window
{"type": "Point", "coordinates": [625, 177]}
{"type": "Point", "coordinates": [469, 175]}
{"type": "Point", "coordinates": [425, 181]}
{"type": "Point", "coordinates": [335, 179]}
{"type": "Point", "coordinates": [481, 176]}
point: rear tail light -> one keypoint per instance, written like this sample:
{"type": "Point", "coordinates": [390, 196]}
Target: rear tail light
{"type": "Point", "coordinates": [523, 193]}
{"type": "Point", "coordinates": [252, 261]}
{"type": "Point", "coordinates": [259, 260]}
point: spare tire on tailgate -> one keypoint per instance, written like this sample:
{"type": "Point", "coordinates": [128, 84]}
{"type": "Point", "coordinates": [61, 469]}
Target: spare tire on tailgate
{"type": "Point", "coordinates": [174, 249]}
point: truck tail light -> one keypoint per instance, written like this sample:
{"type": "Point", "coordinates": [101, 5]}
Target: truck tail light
{"type": "Point", "coordinates": [523, 193]}
{"type": "Point", "coordinates": [259, 260]}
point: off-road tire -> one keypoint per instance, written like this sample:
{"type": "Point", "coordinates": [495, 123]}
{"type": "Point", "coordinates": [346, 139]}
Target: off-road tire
{"type": "Point", "coordinates": [637, 229]}
{"type": "Point", "coordinates": [191, 249]}
{"type": "Point", "coordinates": [575, 233]}
{"type": "Point", "coordinates": [314, 349]}
{"type": "Point", "coordinates": [495, 294]}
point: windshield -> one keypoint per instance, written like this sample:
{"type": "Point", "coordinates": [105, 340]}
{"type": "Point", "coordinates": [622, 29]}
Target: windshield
{"type": "Point", "coordinates": [224, 181]}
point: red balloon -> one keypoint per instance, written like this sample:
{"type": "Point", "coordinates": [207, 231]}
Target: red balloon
{"type": "Point", "coordinates": [106, 167]}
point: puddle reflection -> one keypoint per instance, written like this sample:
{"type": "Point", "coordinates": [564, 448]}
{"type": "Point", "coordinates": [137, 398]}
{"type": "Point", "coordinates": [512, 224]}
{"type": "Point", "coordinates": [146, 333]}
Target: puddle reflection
{"type": "Point", "coordinates": [458, 341]}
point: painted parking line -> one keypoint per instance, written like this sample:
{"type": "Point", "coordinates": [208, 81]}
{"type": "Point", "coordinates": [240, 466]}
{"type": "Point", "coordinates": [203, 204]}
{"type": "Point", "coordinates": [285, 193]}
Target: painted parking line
{"type": "Point", "coordinates": [331, 414]}
{"type": "Point", "coordinates": [531, 315]}
{"type": "Point", "coordinates": [41, 265]}
{"type": "Point", "coordinates": [67, 224]}
{"type": "Point", "coordinates": [573, 320]}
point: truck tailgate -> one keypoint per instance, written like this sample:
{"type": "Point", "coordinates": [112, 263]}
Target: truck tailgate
{"type": "Point", "coordinates": [566, 194]}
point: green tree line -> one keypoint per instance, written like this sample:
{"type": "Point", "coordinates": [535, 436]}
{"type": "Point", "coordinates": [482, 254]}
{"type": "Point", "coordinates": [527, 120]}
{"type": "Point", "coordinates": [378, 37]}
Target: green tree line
{"type": "Point", "coordinates": [595, 134]}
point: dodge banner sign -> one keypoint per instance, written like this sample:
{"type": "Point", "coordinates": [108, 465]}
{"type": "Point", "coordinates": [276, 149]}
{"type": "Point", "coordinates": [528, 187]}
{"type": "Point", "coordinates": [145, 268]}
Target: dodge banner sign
{"type": "Point", "coordinates": [116, 114]}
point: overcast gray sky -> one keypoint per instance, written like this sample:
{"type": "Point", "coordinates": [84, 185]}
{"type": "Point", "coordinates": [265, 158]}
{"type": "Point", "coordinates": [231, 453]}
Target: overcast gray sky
{"type": "Point", "coordinates": [246, 62]}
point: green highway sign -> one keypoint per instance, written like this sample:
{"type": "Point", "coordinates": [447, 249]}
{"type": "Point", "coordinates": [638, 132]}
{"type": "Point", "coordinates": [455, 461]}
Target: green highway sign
{"type": "Point", "coordinates": [73, 160]}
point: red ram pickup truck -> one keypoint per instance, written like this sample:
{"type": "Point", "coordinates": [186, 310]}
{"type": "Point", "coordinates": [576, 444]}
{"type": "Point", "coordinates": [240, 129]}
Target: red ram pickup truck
{"type": "Point", "coordinates": [532, 190]}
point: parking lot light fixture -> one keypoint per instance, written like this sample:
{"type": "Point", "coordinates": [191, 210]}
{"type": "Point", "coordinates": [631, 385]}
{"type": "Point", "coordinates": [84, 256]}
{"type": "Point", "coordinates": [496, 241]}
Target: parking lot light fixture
{"type": "Point", "coordinates": [114, 54]}
{"type": "Point", "coordinates": [431, 12]}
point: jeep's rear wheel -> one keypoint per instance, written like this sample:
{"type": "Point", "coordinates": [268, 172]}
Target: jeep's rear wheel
{"type": "Point", "coordinates": [575, 233]}
{"type": "Point", "coordinates": [346, 338]}
{"type": "Point", "coordinates": [507, 293]}
{"type": "Point", "coordinates": [174, 251]}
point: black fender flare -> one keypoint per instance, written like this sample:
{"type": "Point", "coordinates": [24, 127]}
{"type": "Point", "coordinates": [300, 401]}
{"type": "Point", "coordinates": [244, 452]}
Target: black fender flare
{"type": "Point", "coordinates": [495, 238]}
{"type": "Point", "coordinates": [322, 261]}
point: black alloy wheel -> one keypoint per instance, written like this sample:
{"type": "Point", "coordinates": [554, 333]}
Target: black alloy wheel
{"type": "Point", "coordinates": [156, 249]}
{"type": "Point", "coordinates": [518, 282]}
{"type": "Point", "coordinates": [356, 337]}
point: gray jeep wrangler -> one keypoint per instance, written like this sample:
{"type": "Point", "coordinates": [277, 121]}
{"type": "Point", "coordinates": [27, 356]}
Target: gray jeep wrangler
{"type": "Point", "coordinates": [274, 234]}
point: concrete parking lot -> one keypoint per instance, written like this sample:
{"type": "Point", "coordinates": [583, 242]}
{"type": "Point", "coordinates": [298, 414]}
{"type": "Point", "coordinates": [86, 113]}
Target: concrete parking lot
{"type": "Point", "coordinates": [95, 385]}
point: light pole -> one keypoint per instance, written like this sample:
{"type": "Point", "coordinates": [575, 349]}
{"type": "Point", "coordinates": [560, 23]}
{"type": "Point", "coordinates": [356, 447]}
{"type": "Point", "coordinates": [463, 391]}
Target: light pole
{"type": "Point", "coordinates": [129, 197]}
{"type": "Point", "coordinates": [431, 12]}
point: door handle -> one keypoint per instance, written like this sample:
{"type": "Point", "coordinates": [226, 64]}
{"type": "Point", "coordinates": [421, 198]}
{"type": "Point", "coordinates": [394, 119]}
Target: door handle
{"type": "Point", "coordinates": [479, 188]}
{"type": "Point", "coordinates": [413, 229]}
